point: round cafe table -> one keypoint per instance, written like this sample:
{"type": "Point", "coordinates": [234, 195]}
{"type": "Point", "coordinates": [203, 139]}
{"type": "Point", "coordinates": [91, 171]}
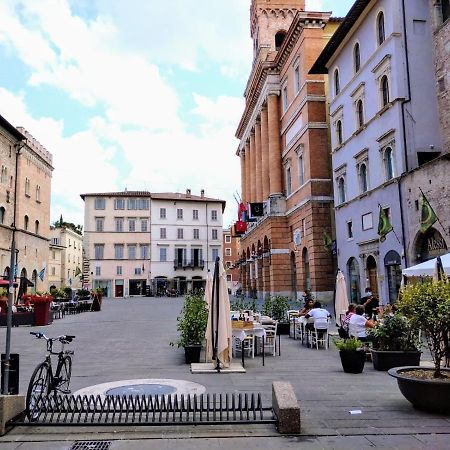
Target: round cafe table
{"type": "Point", "coordinates": [256, 331]}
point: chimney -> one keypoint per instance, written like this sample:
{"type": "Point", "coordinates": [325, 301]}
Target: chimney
{"type": "Point", "coordinates": [188, 193]}
{"type": "Point", "coordinates": [202, 193]}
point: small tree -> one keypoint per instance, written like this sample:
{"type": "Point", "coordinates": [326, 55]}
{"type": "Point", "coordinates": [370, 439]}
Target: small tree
{"type": "Point", "coordinates": [427, 306]}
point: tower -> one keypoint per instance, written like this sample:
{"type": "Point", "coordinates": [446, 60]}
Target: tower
{"type": "Point", "coordinates": [269, 22]}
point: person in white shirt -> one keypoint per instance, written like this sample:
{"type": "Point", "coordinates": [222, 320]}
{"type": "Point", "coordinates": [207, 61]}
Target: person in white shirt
{"type": "Point", "coordinates": [358, 324]}
{"type": "Point", "coordinates": [317, 313]}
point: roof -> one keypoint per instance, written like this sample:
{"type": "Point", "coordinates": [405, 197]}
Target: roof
{"type": "Point", "coordinates": [117, 194]}
{"type": "Point", "coordinates": [320, 66]}
{"type": "Point", "coordinates": [11, 129]}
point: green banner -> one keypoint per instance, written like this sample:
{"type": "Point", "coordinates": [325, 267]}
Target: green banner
{"type": "Point", "coordinates": [427, 216]}
{"type": "Point", "coordinates": [384, 225]}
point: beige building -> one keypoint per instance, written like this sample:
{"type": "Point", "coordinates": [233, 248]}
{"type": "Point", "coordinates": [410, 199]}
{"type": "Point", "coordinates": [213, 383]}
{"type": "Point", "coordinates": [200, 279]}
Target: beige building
{"type": "Point", "coordinates": [70, 259]}
{"type": "Point", "coordinates": [116, 242]}
{"type": "Point", "coordinates": [25, 199]}
{"type": "Point", "coordinates": [54, 265]}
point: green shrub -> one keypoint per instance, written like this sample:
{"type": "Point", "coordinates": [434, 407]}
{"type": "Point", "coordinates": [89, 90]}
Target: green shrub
{"type": "Point", "coordinates": [277, 307]}
{"type": "Point", "coordinates": [348, 345]}
{"type": "Point", "coordinates": [3, 292]}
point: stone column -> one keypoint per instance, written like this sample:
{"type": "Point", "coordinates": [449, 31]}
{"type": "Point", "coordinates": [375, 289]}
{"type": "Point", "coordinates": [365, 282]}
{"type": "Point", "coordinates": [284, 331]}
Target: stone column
{"type": "Point", "coordinates": [258, 162]}
{"type": "Point", "coordinates": [265, 154]}
{"type": "Point", "coordinates": [275, 173]}
{"type": "Point", "coordinates": [247, 171]}
{"type": "Point", "coordinates": [252, 168]}
{"type": "Point", "coordinates": [243, 181]}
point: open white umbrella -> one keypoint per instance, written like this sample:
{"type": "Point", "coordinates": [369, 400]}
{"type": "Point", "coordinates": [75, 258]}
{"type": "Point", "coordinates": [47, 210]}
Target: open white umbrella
{"type": "Point", "coordinates": [428, 268]}
{"type": "Point", "coordinates": [341, 298]}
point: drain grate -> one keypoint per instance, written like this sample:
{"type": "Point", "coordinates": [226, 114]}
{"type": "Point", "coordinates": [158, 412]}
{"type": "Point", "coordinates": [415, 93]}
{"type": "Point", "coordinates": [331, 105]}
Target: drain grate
{"type": "Point", "coordinates": [91, 445]}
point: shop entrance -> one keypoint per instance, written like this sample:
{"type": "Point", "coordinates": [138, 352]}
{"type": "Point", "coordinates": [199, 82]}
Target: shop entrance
{"type": "Point", "coordinates": [372, 275]}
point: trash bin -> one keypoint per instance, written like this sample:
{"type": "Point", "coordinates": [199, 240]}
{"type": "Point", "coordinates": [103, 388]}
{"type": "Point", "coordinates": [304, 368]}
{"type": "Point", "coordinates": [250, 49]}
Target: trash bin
{"type": "Point", "coordinates": [13, 373]}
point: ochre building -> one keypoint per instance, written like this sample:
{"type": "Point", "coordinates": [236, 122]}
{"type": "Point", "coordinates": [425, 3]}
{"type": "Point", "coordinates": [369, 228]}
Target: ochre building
{"type": "Point", "coordinates": [284, 154]}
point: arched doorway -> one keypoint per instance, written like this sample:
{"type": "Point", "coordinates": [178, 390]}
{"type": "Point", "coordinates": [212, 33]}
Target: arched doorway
{"type": "Point", "coordinates": [160, 286]}
{"type": "Point", "coordinates": [392, 262]}
{"type": "Point", "coordinates": [293, 275]}
{"type": "Point", "coordinates": [429, 245]}
{"type": "Point", "coordinates": [306, 271]}
{"type": "Point", "coordinates": [371, 266]}
{"type": "Point", "coordinates": [354, 284]}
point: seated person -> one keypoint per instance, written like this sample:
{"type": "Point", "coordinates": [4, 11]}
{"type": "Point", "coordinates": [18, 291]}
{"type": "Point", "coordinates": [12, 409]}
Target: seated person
{"type": "Point", "coordinates": [309, 304]}
{"type": "Point", "coordinates": [358, 324]}
{"type": "Point", "coordinates": [345, 322]}
{"type": "Point", "coordinates": [317, 312]}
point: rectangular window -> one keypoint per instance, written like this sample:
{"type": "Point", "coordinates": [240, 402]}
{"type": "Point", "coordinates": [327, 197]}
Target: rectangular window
{"type": "Point", "coordinates": [229, 278]}
{"type": "Point", "coordinates": [137, 270]}
{"type": "Point", "coordinates": [99, 251]}
{"type": "Point", "coordinates": [131, 225]}
{"type": "Point", "coordinates": [118, 251]}
{"type": "Point", "coordinates": [132, 203]}
{"type": "Point", "coordinates": [99, 203]}
{"type": "Point", "coordinates": [143, 204]}
{"type": "Point", "coordinates": [162, 233]}
{"type": "Point", "coordinates": [53, 271]}
{"type": "Point", "coordinates": [196, 233]}
{"type": "Point", "coordinates": [119, 203]}
{"type": "Point", "coordinates": [214, 234]}
{"type": "Point", "coordinates": [301, 171]}
{"type": "Point", "coordinates": [119, 224]}
{"type": "Point", "coordinates": [98, 271]}
{"type": "Point", "coordinates": [179, 233]}
{"type": "Point", "coordinates": [162, 213]}
{"type": "Point", "coordinates": [227, 239]}
{"type": "Point", "coordinates": [118, 270]}
{"type": "Point", "coordinates": [288, 181]}
{"type": "Point", "coordinates": [179, 213]}
{"type": "Point", "coordinates": [367, 221]}
{"type": "Point", "coordinates": [144, 251]}
{"type": "Point", "coordinates": [350, 229]}
{"type": "Point", "coordinates": [297, 79]}
{"type": "Point", "coordinates": [163, 254]}
{"type": "Point", "coordinates": [195, 214]}
{"type": "Point", "coordinates": [228, 252]}
{"type": "Point", "coordinates": [38, 193]}
{"type": "Point", "coordinates": [214, 214]}
{"type": "Point", "coordinates": [284, 98]}
{"type": "Point", "coordinates": [132, 252]}
{"type": "Point", "coordinates": [144, 225]}
{"type": "Point", "coordinates": [99, 222]}
{"type": "Point", "coordinates": [215, 254]}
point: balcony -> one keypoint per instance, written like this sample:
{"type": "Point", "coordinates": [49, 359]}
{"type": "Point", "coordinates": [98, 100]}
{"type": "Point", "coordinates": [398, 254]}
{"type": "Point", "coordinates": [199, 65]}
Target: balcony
{"type": "Point", "coordinates": [186, 264]}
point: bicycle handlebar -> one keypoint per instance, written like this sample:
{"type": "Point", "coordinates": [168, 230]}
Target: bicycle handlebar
{"type": "Point", "coordinates": [66, 338]}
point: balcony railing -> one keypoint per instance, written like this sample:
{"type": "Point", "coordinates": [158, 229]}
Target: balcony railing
{"type": "Point", "coordinates": [186, 263]}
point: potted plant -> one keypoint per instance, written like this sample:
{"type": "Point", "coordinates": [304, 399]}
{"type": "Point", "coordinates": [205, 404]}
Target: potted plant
{"type": "Point", "coordinates": [395, 343]}
{"type": "Point", "coordinates": [352, 355]}
{"type": "Point", "coordinates": [192, 327]}
{"type": "Point", "coordinates": [427, 306]}
{"type": "Point", "coordinates": [276, 307]}
{"type": "Point", "coordinates": [41, 307]}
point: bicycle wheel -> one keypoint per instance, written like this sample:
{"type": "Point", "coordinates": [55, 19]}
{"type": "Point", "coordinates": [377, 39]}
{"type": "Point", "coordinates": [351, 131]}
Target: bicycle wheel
{"type": "Point", "coordinates": [64, 375]}
{"type": "Point", "coordinates": [37, 390]}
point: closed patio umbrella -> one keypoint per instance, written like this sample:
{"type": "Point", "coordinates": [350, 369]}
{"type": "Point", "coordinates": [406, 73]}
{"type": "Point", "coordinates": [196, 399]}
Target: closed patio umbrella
{"type": "Point", "coordinates": [208, 334]}
{"type": "Point", "coordinates": [341, 299]}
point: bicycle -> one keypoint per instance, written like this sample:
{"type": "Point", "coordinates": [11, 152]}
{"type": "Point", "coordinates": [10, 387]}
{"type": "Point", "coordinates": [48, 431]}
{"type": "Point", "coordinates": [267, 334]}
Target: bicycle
{"type": "Point", "coordinates": [44, 382]}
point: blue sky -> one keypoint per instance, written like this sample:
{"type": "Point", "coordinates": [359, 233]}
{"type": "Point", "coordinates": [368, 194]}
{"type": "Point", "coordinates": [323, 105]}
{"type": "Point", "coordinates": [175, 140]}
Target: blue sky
{"type": "Point", "coordinates": [130, 93]}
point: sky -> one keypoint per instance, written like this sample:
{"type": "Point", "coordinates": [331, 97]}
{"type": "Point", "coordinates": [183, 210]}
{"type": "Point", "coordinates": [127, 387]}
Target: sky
{"type": "Point", "coordinates": [131, 94]}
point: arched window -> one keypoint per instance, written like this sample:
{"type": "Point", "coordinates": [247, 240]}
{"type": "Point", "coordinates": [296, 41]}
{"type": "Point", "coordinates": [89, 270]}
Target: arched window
{"type": "Point", "coordinates": [339, 132]}
{"type": "Point", "coordinates": [25, 222]}
{"type": "Point", "coordinates": [363, 177]}
{"type": "Point", "coordinates": [4, 175]}
{"type": "Point", "coordinates": [38, 193]}
{"type": "Point", "coordinates": [380, 28]}
{"type": "Point", "coordinates": [341, 189]}
{"type": "Point", "coordinates": [389, 163]}
{"type": "Point", "coordinates": [2, 214]}
{"type": "Point", "coordinates": [279, 38]}
{"type": "Point", "coordinates": [356, 57]}
{"type": "Point", "coordinates": [288, 181]}
{"type": "Point", "coordinates": [36, 227]}
{"type": "Point", "coordinates": [384, 86]}
{"type": "Point", "coordinates": [354, 281]}
{"type": "Point", "coordinates": [337, 84]}
{"type": "Point", "coordinates": [301, 170]}
{"type": "Point", "coordinates": [360, 113]}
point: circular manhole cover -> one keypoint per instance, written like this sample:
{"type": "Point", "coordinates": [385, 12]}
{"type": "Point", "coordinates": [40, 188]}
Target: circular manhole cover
{"type": "Point", "coordinates": [142, 389]}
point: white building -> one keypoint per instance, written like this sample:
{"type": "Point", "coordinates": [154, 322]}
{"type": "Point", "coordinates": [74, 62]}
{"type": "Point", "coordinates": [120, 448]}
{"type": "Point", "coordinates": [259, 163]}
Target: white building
{"type": "Point", "coordinates": [66, 257]}
{"type": "Point", "coordinates": [117, 242]}
{"type": "Point", "coordinates": [186, 235]}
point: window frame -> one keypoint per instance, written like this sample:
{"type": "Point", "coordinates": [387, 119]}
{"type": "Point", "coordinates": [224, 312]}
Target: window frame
{"type": "Point", "coordinates": [381, 28]}
{"type": "Point", "coordinates": [336, 82]}
{"type": "Point", "coordinates": [384, 91]}
{"type": "Point", "coordinates": [99, 203]}
{"type": "Point", "coordinates": [356, 58]}
{"type": "Point", "coordinates": [162, 213]}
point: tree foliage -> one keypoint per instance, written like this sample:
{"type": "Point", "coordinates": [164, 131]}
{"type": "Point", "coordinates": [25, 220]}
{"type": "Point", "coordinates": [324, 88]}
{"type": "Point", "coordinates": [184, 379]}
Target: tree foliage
{"type": "Point", "coordinates": [61, 223]}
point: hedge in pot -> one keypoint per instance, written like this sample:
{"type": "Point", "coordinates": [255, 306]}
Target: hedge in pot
{"type": "Point", "coordinates": [395, 343]}
{"type": "Point", "coordinates": [427, 306]}
{"type": "Point", "coordinates": [277, 306]}
{"type": "Point", "coordinates": [352, 354]}
{"type": "Point", "coordinates": [192, 326]}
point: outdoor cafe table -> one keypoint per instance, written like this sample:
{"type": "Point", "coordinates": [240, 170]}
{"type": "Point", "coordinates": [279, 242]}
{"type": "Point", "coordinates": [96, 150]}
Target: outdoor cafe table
{"type": "Point", "coordinates": [256, 331]}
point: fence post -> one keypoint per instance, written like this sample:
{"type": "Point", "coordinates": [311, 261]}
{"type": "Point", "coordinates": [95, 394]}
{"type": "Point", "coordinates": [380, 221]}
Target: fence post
{"type": "Point", "coordinates": [10, 406]}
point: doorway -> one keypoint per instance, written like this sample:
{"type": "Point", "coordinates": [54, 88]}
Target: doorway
{"type": "Point", "coordinates": [372, 275]}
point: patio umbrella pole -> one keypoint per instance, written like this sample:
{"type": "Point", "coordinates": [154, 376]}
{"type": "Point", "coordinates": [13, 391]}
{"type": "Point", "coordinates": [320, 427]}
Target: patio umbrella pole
{"type": "Point", "coordinates": [216, 288]}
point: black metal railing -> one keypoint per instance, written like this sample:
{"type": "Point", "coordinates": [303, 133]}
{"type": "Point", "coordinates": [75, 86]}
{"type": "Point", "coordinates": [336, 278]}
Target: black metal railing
{"type": "Point", "coordinates": [186, 263]}
{"type": "Point", "coordinates": [204, 409]}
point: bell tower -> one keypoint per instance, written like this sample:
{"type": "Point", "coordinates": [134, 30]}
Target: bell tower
{"type": "Point", "coordinates": [269, 23]}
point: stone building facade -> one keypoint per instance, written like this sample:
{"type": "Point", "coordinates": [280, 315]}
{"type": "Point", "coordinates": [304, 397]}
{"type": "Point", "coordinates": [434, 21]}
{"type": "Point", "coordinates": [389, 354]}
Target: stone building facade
{"type": "Point", "coordinates": [284, 154]}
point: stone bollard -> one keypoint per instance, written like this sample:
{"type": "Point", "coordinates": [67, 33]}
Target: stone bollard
{"type": "Point", "coordinates": [10, 406]}
{"type": "Point", "coordinates": [286, 407]}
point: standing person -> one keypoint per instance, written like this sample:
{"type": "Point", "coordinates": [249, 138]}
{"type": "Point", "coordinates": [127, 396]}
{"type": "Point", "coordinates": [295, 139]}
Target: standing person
{"type": "Point", "coordinates": [370, 306]}
{"type": "Point", "coordinates": [366, 296]}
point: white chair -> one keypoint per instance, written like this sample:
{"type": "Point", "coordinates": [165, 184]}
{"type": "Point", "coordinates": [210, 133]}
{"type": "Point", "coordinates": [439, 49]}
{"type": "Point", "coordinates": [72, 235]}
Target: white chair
{"type": "Point", "coordinates": [247, 345]}
{"type": "Point", "coordinates": [319, 335]}
{"type": "Point", "coordinates": [270, 341]}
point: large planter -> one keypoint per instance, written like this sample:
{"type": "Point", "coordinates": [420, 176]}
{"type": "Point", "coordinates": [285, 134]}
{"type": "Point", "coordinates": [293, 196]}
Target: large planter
{"type": "Point", "coordinates": [283, 328]}
{"type": "Point", "coordinates": [192, 354]}
{"type": "Point", "coordinates": [41, 313]}
{"type": "Point", "coordinates": [428, 395]}
{"type": "Point", "coordinates": [353, 360]}
{"type": "Point", "coordinates": [385, 360]}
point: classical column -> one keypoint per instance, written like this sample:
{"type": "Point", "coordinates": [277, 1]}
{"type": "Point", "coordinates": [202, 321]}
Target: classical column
{"type": "Point", "coordinates": [243, 187]}
{"type": "Point", "coordinates": [265, 154]}
{"type": "Point", "coordinates": [275, 172]}
{"type": "Point", "coordinates": [247, 171]}
{"type": "Point", "coordinates": [252, 167]}
{"type": "Point", "coordinates": [258, 162]}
